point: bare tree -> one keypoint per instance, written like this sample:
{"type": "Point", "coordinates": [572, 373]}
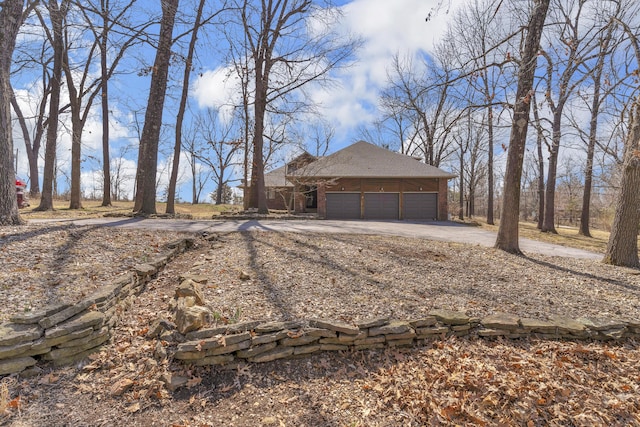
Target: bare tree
{"type": "Point", "coordinates": [622, 248]}
{"type": "Point", "coordinates": [145, 200]}
{"type": "Point", "coordinates": [11, 18]}
{"type": "Point", "coordinates": [290, 43]}
{"type": "Point", "coordinates": [57, 14]}
{"type": "Point", "coordinates": [507, 239]}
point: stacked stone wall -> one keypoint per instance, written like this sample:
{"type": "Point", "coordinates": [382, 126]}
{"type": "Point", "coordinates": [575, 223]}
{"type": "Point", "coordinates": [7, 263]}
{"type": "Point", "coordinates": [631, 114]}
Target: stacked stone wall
{"type": "Point", "coordinates": [66, 333]}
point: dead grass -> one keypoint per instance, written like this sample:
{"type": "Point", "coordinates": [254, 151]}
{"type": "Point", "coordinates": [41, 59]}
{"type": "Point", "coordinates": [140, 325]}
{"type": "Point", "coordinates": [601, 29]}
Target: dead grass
{"type": "Point", "coordinates": [567, 236]}
{"type": "Point", "coordinates": [93, 209]}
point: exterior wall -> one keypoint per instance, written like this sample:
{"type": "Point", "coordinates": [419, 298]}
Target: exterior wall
{"type": "Point", "coordinates": [275, 199]}
{"type": "Point", "coordinates": [373, 185]}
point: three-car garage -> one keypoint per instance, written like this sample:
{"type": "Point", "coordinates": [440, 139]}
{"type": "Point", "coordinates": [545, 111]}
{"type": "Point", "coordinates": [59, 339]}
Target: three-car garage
{"type": "Point", "coordinates": [381, 206]}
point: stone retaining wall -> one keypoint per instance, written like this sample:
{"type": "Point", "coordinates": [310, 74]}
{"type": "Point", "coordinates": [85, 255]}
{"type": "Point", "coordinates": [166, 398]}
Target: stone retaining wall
{"type": "Point", "coordinates": [267, 341]}
{"type": "Point", "coordinates": [66, 333]}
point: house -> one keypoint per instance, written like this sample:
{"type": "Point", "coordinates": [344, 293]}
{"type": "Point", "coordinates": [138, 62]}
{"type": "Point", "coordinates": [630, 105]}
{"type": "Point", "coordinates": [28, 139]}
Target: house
{"type": "Point", "coordinates": [280, 191]}
{"type": "Point", "coordinates": [364, 181]}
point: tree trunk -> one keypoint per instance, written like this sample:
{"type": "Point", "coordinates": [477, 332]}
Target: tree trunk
{"type": "Point", "coordinates": [548, 224]}
{"type": "Point", "coordinates": [56, 15]}
{"type": "Point", "coordinates": [490, 183]}
{"type": "Point", "coordinates": [173, 180]}
{"type": "Point", "coordinates": [461, 204]}
{"type": "Point", "coordinates": [148, 152]}
{"type": "Point", "coordinates": [507, 239]}
{"type": "Point", "coordinates": [104, 92]}
{"type": "Point", "coordinates": [10, 21]}
{"type": "Point", "coordinates": [31, 147]}
{"type": "Point", "coordinates": [622, 248]}
{"type": "Point", "coordinates": [258, 197]}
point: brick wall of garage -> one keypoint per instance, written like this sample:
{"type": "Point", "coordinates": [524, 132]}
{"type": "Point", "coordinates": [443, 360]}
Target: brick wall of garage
{"type": "Point", "coordinates": [364, 185]}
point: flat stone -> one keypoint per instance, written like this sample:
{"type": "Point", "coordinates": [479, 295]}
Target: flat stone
{"type": "Point", "coordinates": [536, 325]}
{"type": "Point", "coordinates": [222, 330]}
{"type": "Point", "coordinates": [158, 326]}
{"type": "Point", "coordinates": [12, 351]}
{"type": "Point", "coordinates": [427, 332]}
{"type": "Point", "coordinates": [303, 340]}
{"type": "Point", "coordinates": [501, 321]}
{"type": "Point", "coordinates": [267, 338]}
{"type": "Point", "coordinates": [333, 347]}
{"type": "Point", "coordinates": [404, 336]}
{"type": "Point", "coordinates": [275, 354]}
{"type": "Point", "coordinates": [337, 326]}
{"type": "Point", "coordinates": [370, 340]}
{"type": "Point", "coordinates": [62, 355]}
{"type": "Point", "coordinates": [13, 366]}
{"type": "Point", "coordinates": [320, 332]}
{"type": "Point", "coordinates": [50, 342]}
{"type": "Point", "coordinates": [596, 324]}
{"type": "Point", "coordinates": [32, 317]}
{"type": "Point", "coordinates": [392, 328]}
{"type": "Point", "coordinates": [15, 333]}
{"type": "Point", "coordinates": [461, 328]}
{"type": "Point", "coordinates": [229, 348]}
{"type": "Point", "coordinates": [79, 342]}
{"type": "Point", "coordinates": [449, 317]}
{"type": "Point", "coordinates": [277, 326]}
{"type": "Point", "coordinates": [75, 358]}
{"type": "Point", "coordinates": [256, 350]}
{"type": "Point", "coordinates": [215, 360]}
{"type": "Point", "coordinates": [372, 346]}
{"type": "Point", "coordinates": [566, 324]}
{"type": "Point", "coordinates": [372, 323]}
{"type": "Point", "coordinates": [104, 293]}
{"type": "Point", "coordinates": [145, 270]}
{"type": "Point", "coordinates": [174, 382]}
{"type": "Point", "coordinates": [65, 314]}
{"type": "Point", "coordinates": [82, 321]}
{"type": "Point", "coordinates": [344, 338]}
{"type": "Point", "coordinates": [215, 342]}
{"type": "Point", "coordinates": [423, 322]}
{"type": "Point", "coordinates": [307, 349]}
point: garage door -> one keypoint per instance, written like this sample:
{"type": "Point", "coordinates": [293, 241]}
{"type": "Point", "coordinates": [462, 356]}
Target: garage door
{"type": "Point", "coordinates": [420, 206]}
{"type": "Point", "coordinates": [381, 205]}
{"type": "Point", "coordinates": [343, 205]}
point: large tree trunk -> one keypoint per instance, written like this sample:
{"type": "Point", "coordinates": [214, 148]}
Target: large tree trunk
{"type": "Point", "coordinates": [622, 248]}
{"type": "Point", "coordinates": [145, 202]}
{"type": "Point", "coordinates": [173, 181]}
{"type": "Point", "coordinates": [10, 21]}
{"type": "Point", "coordinates": [258, 197]}
{"type": "Point", "coordinates": [490, 183]}
{"type": "Point", "coordinates": [507, 239]}
{"type": "Point", "coordinates": [56, 15]}
{"type": "Point", "coordinates": [548, 224]}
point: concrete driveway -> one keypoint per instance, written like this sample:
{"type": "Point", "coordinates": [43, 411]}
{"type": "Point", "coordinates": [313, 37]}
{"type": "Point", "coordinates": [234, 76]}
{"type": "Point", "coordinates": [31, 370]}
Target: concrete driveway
{"type": "Point", "coordinates": [443, 231]}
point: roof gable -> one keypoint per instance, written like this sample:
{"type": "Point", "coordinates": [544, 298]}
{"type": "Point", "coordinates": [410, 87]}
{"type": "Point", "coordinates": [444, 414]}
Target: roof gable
{"type": "Point", "coordinates": [365, 160]}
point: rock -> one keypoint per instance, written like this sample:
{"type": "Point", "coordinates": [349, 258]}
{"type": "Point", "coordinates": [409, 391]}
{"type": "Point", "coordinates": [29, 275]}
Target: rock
{"type": "Point", "coordinates": [485, 332]}
{"type": "Point", "coordinates": [145, 271]}
{"type": "Point", "coordinates": [277, 326]}
{"type": "Point", "coordinates": [244, 275]}
{"type": "Point", "coordinates": [264, 339]}
{"type": "Point", "coordinates": [320, 332]}
{"type": "Point", "coordinates": [449, 317]}
{"type": "Point", "coordinates": [14, 333]}
{"type": "Point", "coordinates": [423, 322]}
{"type": "Point", "coordinates": [596, 324]}
{"type": "Point", "coordinates": [11, 351]}
{"type": "Point", "coordinates": [198, 278]}
{"type": "Point", "coordinates": [190, 288]}
{"type": "Point", "coordinates": [174, 382]}
{"type": "Point", "coordinates": [215, 342]}
{"type": "Point", "coordinates": [191, 318]}
{"type": "Point", "coordinates": [53, 341]}
{"type": "Point", "coordinates": [60, 354]}
{"type": "Point", "coordinates": [215, 360]}
{"type": "Point", "coordinates": [429, 332]}
{"type": "Point", "coordinates": [256, 350]}
{"type": "Point", "coordinates": [501, 321]}
{"type": "Point", "coordinates": [306, 349]}
{"type": "Point", "coordinates": [222, 330]}
{"type": "Point", "coordinates": [372, 323]}
{"type": "Point", "coordinates": [229, 348]}
{"type": "Point", "coordinates": [335, 326]}
{"type": "Point", "coordinates": [303, 340]}
{"type": "Point", "coordinates": [65, 314]}
{"type": "Point", "coordinates": [81, 321]}
{"type": "Point", "coordinates": [404, 336]}
{"type": "Point", "coordinates": [159, 351]}
{"type": "Point", "coordinates": [394, 327]}
{"type": "Point", "coordinates": [566, 324]}
{"type": "Point", "coordinates": [158, 326]}
{"type": "Point", "coordinates": [33, 317]}
{"type": "Point", "coordinates": [275, 354]}
{"type": "Point", "coordinates": [84, 340]}
{"type": "Point", "coordinates": [380, 339]}
{"type": "Point", "coordinates": [333, 347]}
{"type": "Point", "coordinates": [13, 366]}
{"type": "Point", "coordinates": [539, 326]}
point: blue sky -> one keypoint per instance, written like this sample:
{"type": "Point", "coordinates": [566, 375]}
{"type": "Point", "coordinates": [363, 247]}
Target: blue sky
{"type": "Point", "coordinates": [386, 27]}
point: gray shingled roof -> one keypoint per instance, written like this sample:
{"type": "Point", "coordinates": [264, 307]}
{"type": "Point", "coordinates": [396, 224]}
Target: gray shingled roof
{"type": "Point", "coordinates": [277, 178]}
{"type": "Point", "coordinates": [365, 160]}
